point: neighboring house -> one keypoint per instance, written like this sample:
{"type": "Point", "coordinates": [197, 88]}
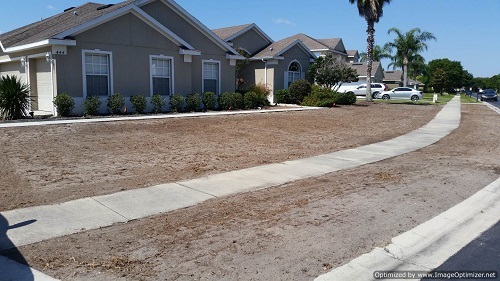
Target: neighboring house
{"type": "Point", "coordinates": [134, 47]}
{"type": "Point", "coordinates": [394, 79]}
{"type": "Point", "coordinates": [353, 56]}
{"type": "Point", "coordinates": [274, 64]}
{"type": "Point", "coordinates": [361, 69]}
{"type": "Point", "coordinates": [322, 47]}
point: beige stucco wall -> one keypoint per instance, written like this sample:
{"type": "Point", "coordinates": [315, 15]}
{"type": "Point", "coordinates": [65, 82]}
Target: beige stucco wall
{"type": "Point", "coordinates": [14, 68]}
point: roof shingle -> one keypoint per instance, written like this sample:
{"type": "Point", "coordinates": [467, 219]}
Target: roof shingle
{"type": "Point", "coordinates": [50, 27]}
{"type": "Point", "coordinates": [227, 32]}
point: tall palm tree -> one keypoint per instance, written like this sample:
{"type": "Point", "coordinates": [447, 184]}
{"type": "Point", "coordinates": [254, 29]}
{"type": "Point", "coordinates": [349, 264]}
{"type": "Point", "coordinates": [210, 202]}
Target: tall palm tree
{"type": "Point", "coordinates": [408, 46]}
{"type": "Point", "coordinates": [372, 11]}
{"type": "Point", "coordinates": [416, 64]}
{"type": "Point", "coordinates": [379, 53]}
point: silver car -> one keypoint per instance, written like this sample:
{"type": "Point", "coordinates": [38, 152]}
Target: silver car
{"type": "Point", "coordinates": [401, 93]}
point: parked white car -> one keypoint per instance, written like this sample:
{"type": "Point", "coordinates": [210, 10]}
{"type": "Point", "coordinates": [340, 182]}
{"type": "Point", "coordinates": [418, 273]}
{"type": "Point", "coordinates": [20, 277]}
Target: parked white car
{"type": "Point", "coordinates": [360, 90]}
{"type": "Point", "coordinates": [401, 93]}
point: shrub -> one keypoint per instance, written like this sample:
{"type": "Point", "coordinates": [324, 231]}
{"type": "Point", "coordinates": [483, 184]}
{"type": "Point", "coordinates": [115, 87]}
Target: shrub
{"type": "Point", "coordinates": [92, 105]}
{"type": "Point", "coordinates": [139, 102]}
{"type": "Point", "coordinates": [252, 100]}
{"type": "Point", "coordinates": [14, 97]}
{"type": "Point", "coordinates": [321, 97]}
{"type": "Point", "coordinates": [209, 100]}
{"type": "Point", "coordinates": [283, 96]}
{"type": "Point", "coordinates": [193, 102]}
{"type": "Point", "coordinates": [64, 104]}
{"type": "Point", "coordinates": [231, 101]}
{"type": "Point", "coordinates": [346, 98]}
{"type": "Point", "coordinates": [298, 90]}
{"type": "Point", "coordinates": [261, 91]}
{"type": "Point", "coordinates": [158, 102]}
{"type": "Point", "coordinates": [176, 103]}
{"type": "Point", "coordinates": [115, 103]}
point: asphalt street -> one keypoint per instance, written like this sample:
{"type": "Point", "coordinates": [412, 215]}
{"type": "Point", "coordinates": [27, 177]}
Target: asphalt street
{"type": "Point", "coordinates": [480, 255]}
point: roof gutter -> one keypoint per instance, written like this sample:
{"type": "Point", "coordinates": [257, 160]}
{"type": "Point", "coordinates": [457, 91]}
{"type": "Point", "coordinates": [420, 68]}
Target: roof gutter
{"type": "Point", "coordinates": [40, 44]}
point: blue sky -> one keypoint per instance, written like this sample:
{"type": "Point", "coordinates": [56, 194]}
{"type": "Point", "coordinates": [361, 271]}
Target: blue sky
{"type": "Point", "coordinates": [466, 30]}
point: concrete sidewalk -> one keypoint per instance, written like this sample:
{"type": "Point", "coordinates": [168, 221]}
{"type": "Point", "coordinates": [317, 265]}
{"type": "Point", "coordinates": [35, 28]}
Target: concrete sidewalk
{"type": "Point", "coordinates": [94, 212]}
{"type": "Point", "coordinates": [36, 122]}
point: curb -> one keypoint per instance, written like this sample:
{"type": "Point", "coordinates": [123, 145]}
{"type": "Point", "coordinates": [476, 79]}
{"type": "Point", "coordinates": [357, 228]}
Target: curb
{"type": "Point", "coordinates": [429, 244]}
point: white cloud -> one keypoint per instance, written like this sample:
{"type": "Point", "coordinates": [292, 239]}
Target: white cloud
{"type": "Point", "coordinates": [50, 7]}
{"type": "Point", "coordinates": [283, 21]}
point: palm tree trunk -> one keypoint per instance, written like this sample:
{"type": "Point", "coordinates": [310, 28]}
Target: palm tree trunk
{"type": "Point", "coordinates": [369, 52]}
{"type": "Point", "coordinates": [405, 72]}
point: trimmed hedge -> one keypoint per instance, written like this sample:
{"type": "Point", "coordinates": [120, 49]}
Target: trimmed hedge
{"type": "Point", "coordinates": [92, 105]}
{"type": "Point", "coordinates": [115, 103]}
{"type": "Point", "coordinates": [298, 90]}
{"type": "Point", "coordinates": [231, 101]}
{"type": "Point", "coordinates": [209, 99]}
{"type": "Point", "coordinates": [193, 102]}
{"type": "Point", "coordinates": [323, 97]}
{"type": "Point", "coordinates": [139, 103]}
{"type": "Point", "coordinates": [64, 104]}
{"type": "Point", "coordinates": [176, 103]}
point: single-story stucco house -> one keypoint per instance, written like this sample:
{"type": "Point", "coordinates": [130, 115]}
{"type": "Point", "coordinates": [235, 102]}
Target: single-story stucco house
{"type": "Point", "coordinates": [136, 47]}
{"type": "Point", "coordinates": [274, 64]}
{"type": "Point", "coordinates": [394, 78]}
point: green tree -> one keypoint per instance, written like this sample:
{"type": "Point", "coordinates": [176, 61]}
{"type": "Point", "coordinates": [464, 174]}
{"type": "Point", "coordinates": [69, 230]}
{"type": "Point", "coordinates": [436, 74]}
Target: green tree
{"type": "Point", "coordinates": [14, 97]}
{"type": "Point", "coordinates": [372, 11]}
{"type": "Point", "coordinates": [379, 53]}
{"type": "Point", "coordinates": [416, 65]}
{"type": "Point", "coordinates": [328, 71]}
{"type": "Point", "coordinates": [408, 45]}
{"type": "Point", "coordinates": [456, 76]}
{"type": "Point", "coordinates": [439, 80]}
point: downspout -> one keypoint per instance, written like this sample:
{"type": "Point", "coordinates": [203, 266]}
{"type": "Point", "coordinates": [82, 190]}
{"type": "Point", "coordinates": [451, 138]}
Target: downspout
{"type": "Point", "coordinates": [265, 71]}
{"type": "Point", "coordinates": [28, 80]}
{"type": "Point", "coordinates": [52, 67]}
{"type": "Point", "coordinates": [270, 98]}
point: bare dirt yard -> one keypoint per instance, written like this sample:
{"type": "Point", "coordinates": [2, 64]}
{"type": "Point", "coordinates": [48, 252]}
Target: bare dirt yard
{"type": "Point", "coordinates": [292, 232]}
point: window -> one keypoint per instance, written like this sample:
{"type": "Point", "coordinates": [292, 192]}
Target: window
{"type": "Point", "coordinates": [97, 73]}
{"type": "Point", "coordinates": [161, 75]}
{"type": "Point", "coordinates": [294, 72]}
{"type": "Point", "coordinates": [211, 71]}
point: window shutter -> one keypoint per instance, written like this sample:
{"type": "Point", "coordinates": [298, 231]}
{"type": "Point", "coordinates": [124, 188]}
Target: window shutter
{"type": "Point", "coordinates": [303, 75]}
{"type": "Point", "coordinates": [285, 86]}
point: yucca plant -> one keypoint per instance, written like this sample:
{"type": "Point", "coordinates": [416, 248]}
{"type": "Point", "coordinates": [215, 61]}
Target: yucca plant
{"type": "Point", "coordinates": [14, 98]}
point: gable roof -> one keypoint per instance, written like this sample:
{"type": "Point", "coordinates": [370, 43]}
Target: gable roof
{"type": "Point", "coordinates": [60, 28]}
{"type": "Point", "coordinates": [311, 43]}
{"type": "Point", "coordinates": [50, 27]}
{"type": "Point", "coordinates": [276, 49]}
{"type": "Point", "coordinates": [352, 53]}
{"type": "Point", "coordinates": [196, 23]}
{"type": "Point", "coordinates": [318, 45]}
{"type": "Point", "coordinates": [395, 75]}
{"type": "Point", "coordinates": [362, 68]}
{"type": "Point", "coordinates": [335, 44]}
{"type": "Point", "coordinates": [231, 32]}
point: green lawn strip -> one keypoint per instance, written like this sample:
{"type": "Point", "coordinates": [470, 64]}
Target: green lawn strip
{"type": "Point", "coordinates": [426, 100]}
{"type": "Point", "coordinates": [467, 99]}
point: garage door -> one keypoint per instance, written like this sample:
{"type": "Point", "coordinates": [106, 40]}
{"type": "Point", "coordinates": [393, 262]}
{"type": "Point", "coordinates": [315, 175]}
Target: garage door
{"type": "Point", "coordinates": [44, 85]}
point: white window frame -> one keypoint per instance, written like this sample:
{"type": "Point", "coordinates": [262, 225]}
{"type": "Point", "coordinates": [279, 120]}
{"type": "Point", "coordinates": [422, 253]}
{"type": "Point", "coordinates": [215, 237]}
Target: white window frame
{"type": "Point", "coordinates": [287, 74]}
{"type": "Point", "coordinates": [110, 74]}
{"type": "Point", "coordinates": [203, 75]}
{"type": "Point", "coordinates": [172, 72]}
